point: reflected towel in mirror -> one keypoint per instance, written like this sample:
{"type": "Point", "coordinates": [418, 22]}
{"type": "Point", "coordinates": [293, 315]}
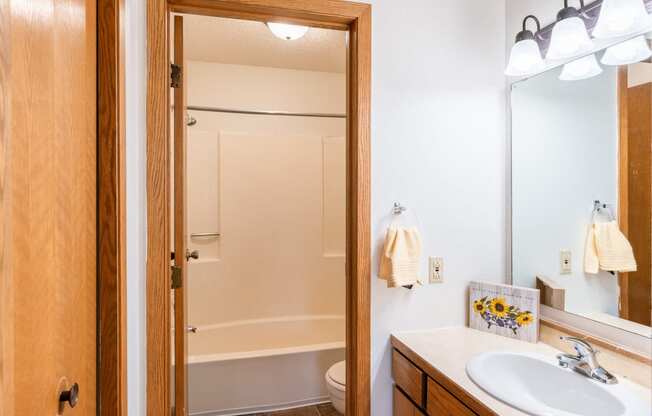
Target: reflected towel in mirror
{"type": "Point", "coordinates": [608, 249]}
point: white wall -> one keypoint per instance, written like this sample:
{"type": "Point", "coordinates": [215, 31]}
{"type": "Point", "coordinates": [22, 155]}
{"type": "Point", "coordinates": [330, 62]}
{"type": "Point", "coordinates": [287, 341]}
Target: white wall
{"type": "Point", "coordinates": [564, 156]}
{"type": "Point", "coordinates": [438, 146]}
{"type": "Point", "coordinates": [135, 91]}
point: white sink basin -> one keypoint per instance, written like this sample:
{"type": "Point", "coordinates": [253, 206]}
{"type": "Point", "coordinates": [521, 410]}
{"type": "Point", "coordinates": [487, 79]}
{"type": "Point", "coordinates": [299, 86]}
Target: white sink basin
{"type": "Point", "coordinates": [538, 386]}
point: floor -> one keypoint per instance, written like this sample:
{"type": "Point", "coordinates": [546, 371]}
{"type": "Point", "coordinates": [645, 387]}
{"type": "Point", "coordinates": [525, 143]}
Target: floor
{"type": "Point", "coordinates": [325, 409]}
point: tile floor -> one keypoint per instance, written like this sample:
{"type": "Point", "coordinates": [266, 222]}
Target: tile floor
{"type": "Point", "coordinates": [325, 409]}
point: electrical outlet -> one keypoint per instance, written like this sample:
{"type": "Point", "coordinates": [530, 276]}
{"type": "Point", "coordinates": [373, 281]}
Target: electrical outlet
{"type": "Point", "coordinates": [565, 263]}
{"type": "Point", "coordinates": [436, 269]}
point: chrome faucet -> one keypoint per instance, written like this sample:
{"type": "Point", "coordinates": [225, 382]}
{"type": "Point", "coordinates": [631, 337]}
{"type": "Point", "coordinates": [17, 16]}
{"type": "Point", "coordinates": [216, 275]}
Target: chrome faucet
{"type": "Point", "coordinates": [585, 362]}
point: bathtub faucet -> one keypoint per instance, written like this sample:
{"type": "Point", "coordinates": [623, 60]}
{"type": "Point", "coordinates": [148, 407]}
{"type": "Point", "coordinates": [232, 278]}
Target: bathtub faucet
{"type": "Point", "coordinates": [192, 329]}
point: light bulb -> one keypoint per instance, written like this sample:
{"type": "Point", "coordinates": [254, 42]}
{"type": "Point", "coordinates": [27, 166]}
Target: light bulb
{"type": "Point", "coordinates": [569, 39]}
{"type": "Point", "coordinates": [286, 31]}
{"type": "Point", "coordinates": [524, 59]}
{"type": "Point", "coordinates": [621, 17]}
{"type": "Point", "coordinates": [629, 52]}
{"type": "Point", "coordinates": [582, 68]}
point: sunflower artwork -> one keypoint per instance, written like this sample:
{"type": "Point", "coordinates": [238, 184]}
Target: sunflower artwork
{"type": "Point", "coordinates": [497, 311]}
{"type": "Point", "coordinates": [504, 310]}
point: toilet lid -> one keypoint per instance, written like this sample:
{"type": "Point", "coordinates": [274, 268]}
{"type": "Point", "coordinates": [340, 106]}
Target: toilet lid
{"type": "Point", "coordinates": [337, 373]}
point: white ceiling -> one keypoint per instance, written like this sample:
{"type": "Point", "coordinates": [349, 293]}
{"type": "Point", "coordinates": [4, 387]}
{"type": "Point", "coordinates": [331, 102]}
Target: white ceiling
{"type": "Point", "coordinates": [243, 42]}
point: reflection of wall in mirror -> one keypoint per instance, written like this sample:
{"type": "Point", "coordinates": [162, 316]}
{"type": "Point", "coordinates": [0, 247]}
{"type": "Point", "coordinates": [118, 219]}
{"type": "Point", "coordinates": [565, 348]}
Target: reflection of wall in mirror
{"type": "Point", "coordinates": [565, 156]}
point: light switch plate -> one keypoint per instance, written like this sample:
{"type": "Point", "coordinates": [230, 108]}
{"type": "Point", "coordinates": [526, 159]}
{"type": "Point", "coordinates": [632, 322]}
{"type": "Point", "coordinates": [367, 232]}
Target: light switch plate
{"type": "Point", "coordinates": [436, 269]}
{"type": "Point", "coordinates": [565, 262]}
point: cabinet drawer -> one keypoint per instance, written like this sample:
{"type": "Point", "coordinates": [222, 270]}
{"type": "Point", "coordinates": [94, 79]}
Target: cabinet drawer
{"type": "Point", "coordinates": [403, 406]}
{"type": "Point", "coordinates": [441, 403]}
{"type": "Point", "coordinates": [408, 377]}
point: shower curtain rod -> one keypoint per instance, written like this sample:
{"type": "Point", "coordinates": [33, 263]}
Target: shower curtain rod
{"type": "Point", "coordinates": [266, 113]}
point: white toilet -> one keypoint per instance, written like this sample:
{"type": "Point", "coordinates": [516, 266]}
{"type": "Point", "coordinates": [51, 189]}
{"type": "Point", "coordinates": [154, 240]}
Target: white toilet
{"type": "Point", "coordinates": [336, 383]}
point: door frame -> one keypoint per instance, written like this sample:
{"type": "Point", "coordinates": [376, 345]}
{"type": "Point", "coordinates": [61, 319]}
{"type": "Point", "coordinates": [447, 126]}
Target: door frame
{"type": "Point", "coordinates": [623, 182]}
{"type": "Point", "coordinates": [332, 14]}
{"type": "Point", "coordinates": [111, 211]}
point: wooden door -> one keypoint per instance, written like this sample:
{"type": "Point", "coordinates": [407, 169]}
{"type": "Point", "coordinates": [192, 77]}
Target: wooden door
{"type": "Point", "coordinates": [180, 246]}
{"type": "Point", "coordinates": [48, 206]}
{"type": "Point", "coordinates": [636, 196]}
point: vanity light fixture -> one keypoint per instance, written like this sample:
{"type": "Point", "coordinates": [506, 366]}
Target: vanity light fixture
{"type": "Point", "coordinates": [629, 52]}
{"type": "Point", "coordinates": [582, 68]}
{"type": "Point", "coordinates": [525, 57]}
{"type": "Point", "coordinates": [621, 17]}
{"type": "Point", "coordinates": [286, 31]}
{"type": "Point", "coordinates": [570, 37]}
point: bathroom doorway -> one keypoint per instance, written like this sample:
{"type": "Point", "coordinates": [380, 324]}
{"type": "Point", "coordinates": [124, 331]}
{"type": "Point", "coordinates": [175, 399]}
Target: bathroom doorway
{"type": "Point", "coordinates": [342, 151]}
{"type": "Point", "coordinates": [260, 209]}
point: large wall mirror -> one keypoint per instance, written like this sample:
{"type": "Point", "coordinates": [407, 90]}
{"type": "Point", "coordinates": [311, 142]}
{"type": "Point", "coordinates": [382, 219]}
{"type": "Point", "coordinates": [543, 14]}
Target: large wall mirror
{"type": "Point", "coordinates": [581, 192]}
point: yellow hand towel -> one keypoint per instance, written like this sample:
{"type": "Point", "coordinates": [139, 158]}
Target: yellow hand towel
{"type": "Point", "coordinates": [614, 250]}
{"type": "Point", "coordinates": [399, 260]}
{"type": "Point", "coordinates": [591, 261]}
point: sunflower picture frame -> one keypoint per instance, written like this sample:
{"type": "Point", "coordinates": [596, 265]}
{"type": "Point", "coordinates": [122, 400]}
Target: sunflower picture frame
{"type": "Point", "coordinates": [504, 310]}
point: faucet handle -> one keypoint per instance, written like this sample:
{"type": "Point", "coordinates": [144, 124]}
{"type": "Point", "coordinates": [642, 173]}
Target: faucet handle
{"type": "Point", "coordinates": [583, 348]}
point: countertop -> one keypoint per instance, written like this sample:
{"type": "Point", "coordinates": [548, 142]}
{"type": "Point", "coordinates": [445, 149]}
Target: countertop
{"type": "Point", "coordinates": [447, 350]}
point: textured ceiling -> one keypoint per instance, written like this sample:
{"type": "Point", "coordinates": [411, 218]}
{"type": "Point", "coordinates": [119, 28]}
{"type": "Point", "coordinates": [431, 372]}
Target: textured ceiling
{"type": "Point", "coordinates": [245, 42]}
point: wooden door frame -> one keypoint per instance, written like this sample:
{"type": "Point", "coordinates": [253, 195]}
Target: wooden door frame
{"type": "Point", "coordinates": [623, 181]}
{"type": "Point", "coordinates": [111, 211]}
{"type": "Point", "coordinates": [332, 14]}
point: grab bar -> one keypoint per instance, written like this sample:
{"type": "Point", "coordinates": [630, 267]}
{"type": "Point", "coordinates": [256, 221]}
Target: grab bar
{"type": "Point", "coordinates": [193, 235]}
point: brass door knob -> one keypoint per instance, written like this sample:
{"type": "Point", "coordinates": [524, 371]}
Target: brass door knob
{"type": "Point", "coordinates": [70, 396]}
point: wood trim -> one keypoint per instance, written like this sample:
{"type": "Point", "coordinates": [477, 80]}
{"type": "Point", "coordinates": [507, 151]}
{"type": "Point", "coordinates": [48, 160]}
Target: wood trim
{"type": "Point", "coordinates": [7, 308]}
{"type": "Point", "coordinates": [601, 342]}
{"type": "Point", "coordinates": [111, 237]}
{"type": "Point", "coordinates": [158, 211]}
{"type": "Point", "coordinates": [321, 13]}
{"type": "Point", "coordinates": [329, 14]}
{"type": "Point", "coordinates": [453, 388]}
{"type": "Point", "coordinates": [179, 194]}
{"type": "Point", "coordinates": [623, 180]}
{"type": "Point", "coordinates": [358, 285]}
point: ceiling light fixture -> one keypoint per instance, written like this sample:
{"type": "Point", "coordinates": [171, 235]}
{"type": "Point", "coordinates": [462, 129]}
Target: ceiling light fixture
{"type": "Point", "coordinates": [621, 17]}
{"type": "Point", "coordinates": [286, 31]}
{"type": "Point", "coordinates": [629, 52]}
{"type": "Point", "coordinates": [569, 35]}
{"type": "Point", "coordinates": [525, 58]}
{"type": "Point", "coordinates": [582, 68]}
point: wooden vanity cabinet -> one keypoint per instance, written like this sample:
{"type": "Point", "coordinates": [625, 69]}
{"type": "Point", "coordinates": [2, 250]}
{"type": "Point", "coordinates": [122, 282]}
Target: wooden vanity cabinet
{"type": "Point", "coordinates": [404, 406]}
{"type": "Point", "coordinates": [422, 391]}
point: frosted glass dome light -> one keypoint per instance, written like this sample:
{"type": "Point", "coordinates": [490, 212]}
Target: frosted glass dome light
{"type": "Point", "coordinates": [525, 58]}
{"type": "Point", "coordinates": [569, 35]}
{"type": "Point", "coordinates": [286, 31]}
{"type": "Point", "coordinates": [582, 68]}
{"type": "Point", "coordinates": [629, 52]}
{"type": "Point", "coordinates": [621, 17]}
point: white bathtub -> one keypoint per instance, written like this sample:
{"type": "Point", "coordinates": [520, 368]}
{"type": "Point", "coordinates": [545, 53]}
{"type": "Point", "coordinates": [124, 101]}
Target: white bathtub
{"type": "Point", "coordinates": [261, 365]}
